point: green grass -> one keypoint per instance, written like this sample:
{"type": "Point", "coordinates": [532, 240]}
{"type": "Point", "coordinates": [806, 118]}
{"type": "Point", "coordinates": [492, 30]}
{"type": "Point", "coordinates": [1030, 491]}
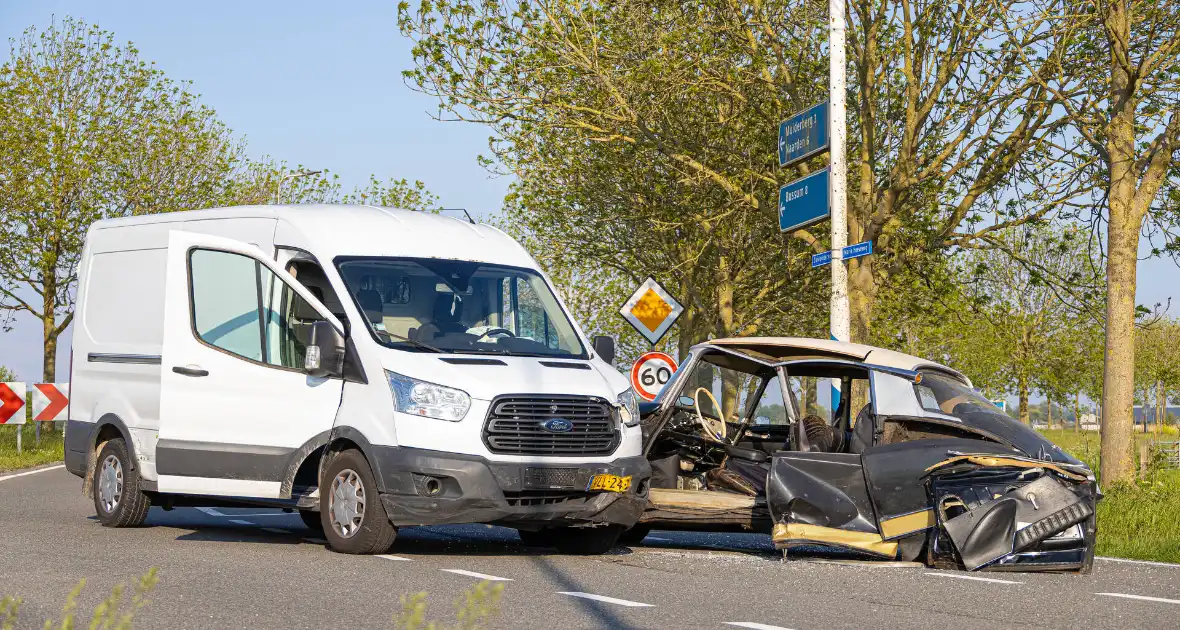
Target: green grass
{"type": "Point", "coordinates": [1140, 521]}
{"type": "Point", "coordinates": [49, 452]}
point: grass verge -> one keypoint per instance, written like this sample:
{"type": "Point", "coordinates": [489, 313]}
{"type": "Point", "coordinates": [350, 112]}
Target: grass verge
{"type": "Point", "coordinates": [48, 452]}
{"type": "Point", "coordinates": [1138, 521]}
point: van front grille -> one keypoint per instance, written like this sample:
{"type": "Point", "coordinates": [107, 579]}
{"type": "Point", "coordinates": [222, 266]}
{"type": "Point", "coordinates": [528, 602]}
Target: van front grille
{"type": "Point", "coordinates": [516, 426]}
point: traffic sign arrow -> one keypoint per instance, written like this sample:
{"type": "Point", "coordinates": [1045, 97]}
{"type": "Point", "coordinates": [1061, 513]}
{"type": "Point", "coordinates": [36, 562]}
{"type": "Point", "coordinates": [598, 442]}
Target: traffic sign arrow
{"type": "Point", "coordinates": [56, 402]}
{"type": "Point", "coordinates": [10, 403]}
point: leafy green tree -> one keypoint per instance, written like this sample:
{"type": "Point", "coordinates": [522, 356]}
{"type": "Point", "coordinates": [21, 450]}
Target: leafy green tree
{"type": "Point", "coordinates": [89, 130]}
{"type": "Point", "coordinates": [1114, 73]}
{"type": "Point", "coordinates": [7, 375]}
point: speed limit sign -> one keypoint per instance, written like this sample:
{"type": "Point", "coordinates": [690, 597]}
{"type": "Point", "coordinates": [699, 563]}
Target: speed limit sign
{"type": "Point", "coordinates": [651, 372]}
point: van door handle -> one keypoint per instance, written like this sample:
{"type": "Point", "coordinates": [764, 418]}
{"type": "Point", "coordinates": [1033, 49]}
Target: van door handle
{"type": "Point", "coordinates": [187, 371]}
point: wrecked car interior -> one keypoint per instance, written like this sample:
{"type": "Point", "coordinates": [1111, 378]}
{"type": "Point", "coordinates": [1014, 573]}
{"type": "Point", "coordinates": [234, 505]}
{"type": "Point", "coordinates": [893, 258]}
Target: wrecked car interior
{"type": "Point", "coordinates": [831, 445]}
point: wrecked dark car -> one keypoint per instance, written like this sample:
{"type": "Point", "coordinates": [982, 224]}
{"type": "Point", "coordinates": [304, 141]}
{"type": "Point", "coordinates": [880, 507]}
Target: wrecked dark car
{"type": "Point", "coordinates": [830, 444]}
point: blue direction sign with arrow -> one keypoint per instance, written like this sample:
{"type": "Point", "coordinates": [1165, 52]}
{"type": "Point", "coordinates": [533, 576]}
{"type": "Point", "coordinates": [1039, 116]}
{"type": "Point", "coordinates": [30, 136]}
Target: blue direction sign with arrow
{"type": "Point", "coordinates": [803, 135]}
{"type": "Point", "coordinates": [803, 202]}
{"type": "Point", "coordinates": [858, 250]}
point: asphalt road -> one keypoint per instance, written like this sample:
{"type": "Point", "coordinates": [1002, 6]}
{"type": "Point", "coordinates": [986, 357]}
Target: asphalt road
{"type": "Point", "coordinates": [262, 569]}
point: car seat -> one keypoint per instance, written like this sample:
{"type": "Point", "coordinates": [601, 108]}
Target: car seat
{"type": "Point", "coordinates": [863, 431]}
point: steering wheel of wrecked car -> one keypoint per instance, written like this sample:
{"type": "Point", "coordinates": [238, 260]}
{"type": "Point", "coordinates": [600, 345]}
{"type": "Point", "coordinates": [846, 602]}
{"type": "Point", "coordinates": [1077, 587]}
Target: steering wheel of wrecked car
{"type": "Point", "coordinates": [495, 331]}
{"type": "Point", "coordinates": [715, 431]}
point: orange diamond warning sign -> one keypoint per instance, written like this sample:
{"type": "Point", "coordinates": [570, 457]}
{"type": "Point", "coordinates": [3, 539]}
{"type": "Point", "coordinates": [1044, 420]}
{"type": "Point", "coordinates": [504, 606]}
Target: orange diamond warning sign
{"type": "Point", "coordinates": [651, 310]}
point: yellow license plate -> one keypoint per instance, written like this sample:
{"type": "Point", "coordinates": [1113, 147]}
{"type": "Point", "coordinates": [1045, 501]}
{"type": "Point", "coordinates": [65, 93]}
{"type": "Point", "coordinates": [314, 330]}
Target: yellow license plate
{"type": "Point", "coordinates": [609, 483]}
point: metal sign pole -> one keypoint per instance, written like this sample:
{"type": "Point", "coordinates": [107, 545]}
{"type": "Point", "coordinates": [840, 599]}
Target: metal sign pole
{"type": "Point", "coordinates": [839, 176]}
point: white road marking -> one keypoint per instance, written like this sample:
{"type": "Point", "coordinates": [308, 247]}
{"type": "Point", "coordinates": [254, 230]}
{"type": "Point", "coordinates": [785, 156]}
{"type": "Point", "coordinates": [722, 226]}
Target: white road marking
{"type": "Point", "coordinates": [239, 522]}
{"type": "Point", "coordinates": [275, 530]}
{"type": "Point", "coordinates": [482, 576]}
{"type": "Point", "coordinates": [603, 598]}
{"type": "Point", "coordinates": [1142, 597]}
{"type": "Point", "coordinates": [392, 557]}
{"type": "Point", "coordinates": [754, 625]}
{"type": "Point", "coordinates": [1144, 562]}
{"type": "Point", "coordinates": [31, 472]}
{"type": "Point", "coordinates": [972, 577]}
{"type": "Point", "coordinates": [211, 511]}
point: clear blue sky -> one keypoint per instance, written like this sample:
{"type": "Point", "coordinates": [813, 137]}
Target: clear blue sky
{"type": "Point", "coordinates": [318, 84]}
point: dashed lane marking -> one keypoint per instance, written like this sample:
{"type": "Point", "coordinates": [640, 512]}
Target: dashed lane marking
{"type": "Point", "coordinates": [32, 472]}
{"type": "Point", "coordinates": [1144, 562]}
{"type": "Point", "coordinates": [482, 576]}
{"type": "Point", "coordinates": [1142, 597]}
{"type": "Point", "coordinates": [972, 577]}
{"type": "Point", "coordinates": [387, 556]}
{"type": "Point", "coordinates": [275, 530]}
{"type": "Point", "coordinates": [211, 511]}
{"type": "Point", "coordinates": [603, 598]}
{"type": "Point", "coordinates": [754, 625]}
{"type": "Point", "coordinates": [240, 522]}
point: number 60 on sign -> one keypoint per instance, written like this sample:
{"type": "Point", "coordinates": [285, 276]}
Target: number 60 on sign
{"type": "Point", "coordinates": [650, 373]}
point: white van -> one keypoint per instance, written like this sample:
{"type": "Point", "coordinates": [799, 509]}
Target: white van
{"type": "Point", "coordinates": [370, 368]}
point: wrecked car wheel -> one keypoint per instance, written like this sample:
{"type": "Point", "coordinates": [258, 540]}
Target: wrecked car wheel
{"type": "Point", "coordinates": [635, 535]}
{"type": "Point", "coordinates": [535, 539]}
{"type": "Point", "coordinates": [352, 517]}
{"type": "Point", "coordinates": [312, 521]}
{"type": "Point", "coordinates": [585, 541]}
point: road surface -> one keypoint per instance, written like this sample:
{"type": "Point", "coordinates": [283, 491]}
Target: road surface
{"type": "Point", "coordinates": [263, 569]}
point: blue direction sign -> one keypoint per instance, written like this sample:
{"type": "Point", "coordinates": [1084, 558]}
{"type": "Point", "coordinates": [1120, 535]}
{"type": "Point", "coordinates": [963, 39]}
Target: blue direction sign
{"type": "Point", "coordinates": [820, 259]}
{"type": "Point", "coordinates": [858, 250]}
{"type": "Point", "coordinates": [803, 135]}
{"type": "Point", "coordinates": [803, 202]}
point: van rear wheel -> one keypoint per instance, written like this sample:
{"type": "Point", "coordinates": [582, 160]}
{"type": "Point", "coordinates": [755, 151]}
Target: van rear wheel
{"type": "Point", "coordinates": [351, 514]}
{"type": "Point", "coordinates": [118, 501]}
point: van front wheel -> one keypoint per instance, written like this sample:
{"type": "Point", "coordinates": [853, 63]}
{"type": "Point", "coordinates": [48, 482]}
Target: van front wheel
{"type": "Point", "coordinates": [585, 541]}
{"type": "Point", "coordinates": [353, 518]}
{"type": "Point", "coordinates": [118, 501]}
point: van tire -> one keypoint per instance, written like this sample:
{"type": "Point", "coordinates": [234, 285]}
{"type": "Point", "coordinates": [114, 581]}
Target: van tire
{"type": "Point", "coordinates": [540, 538]}
{"type": "Point", "coordinates": [635, 535]}
{"type": "Point", "coordinates": [312, 521]}
{"type": "Point", "coordinates": [585, 541]}
{"type": "Point", "coordinates": [118, 501]}
{"type": "Point", "coordinates": [374, 534]}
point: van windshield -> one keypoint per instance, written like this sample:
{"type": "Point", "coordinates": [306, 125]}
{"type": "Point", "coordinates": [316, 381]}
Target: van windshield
{"type": "Point", "coordinates": [459, 306]}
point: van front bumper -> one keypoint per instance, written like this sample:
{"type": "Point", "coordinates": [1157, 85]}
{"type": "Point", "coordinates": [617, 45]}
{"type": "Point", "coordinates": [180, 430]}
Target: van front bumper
{"type": "Point", "coordinates": [422, 487]}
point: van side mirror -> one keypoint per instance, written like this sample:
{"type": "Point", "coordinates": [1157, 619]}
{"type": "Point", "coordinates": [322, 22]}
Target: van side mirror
{"type": "Point", "coordinates": [604, 346]}
{"type": "Point", "coordinates": [325, 351]}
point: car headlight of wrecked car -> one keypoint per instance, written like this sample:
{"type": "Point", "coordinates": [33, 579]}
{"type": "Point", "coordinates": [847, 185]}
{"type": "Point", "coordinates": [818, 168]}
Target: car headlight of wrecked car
{"type": "Point", "coordinates": [628, 402]}
{"type": "Point", "coordinates": [419, 398]}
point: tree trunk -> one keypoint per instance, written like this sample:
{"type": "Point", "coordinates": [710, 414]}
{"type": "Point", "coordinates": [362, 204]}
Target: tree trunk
{"type": "Point", "coordinates": [1118, 387]}
{"type": "Point", "coordinates": [1160, 408]}
{"type": "Point", "coordinates": [1023, 385]}
{"type": "Point", "coordinates": [1077, 412]}
{"type": "Point", "coordinates": [1049, 412]}
{"type": "Point", "coordinates": [861, 296]}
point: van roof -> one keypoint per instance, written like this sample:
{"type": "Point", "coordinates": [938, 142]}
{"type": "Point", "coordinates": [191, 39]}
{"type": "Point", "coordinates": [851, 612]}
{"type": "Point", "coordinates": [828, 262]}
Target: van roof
{"type": "Point", "coordinates": [362, 230]}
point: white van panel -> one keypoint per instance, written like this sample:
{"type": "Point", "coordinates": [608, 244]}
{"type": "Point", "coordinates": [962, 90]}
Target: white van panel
{"type": "Point", "coordinates": [257, 231]}
{"type": "Point", "coordinates": [128, 306]}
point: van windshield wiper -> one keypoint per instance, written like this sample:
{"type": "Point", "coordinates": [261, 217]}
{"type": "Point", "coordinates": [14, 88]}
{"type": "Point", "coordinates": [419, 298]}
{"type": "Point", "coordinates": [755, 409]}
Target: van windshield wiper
{"type": "Point", "coordinates": [415, 343]}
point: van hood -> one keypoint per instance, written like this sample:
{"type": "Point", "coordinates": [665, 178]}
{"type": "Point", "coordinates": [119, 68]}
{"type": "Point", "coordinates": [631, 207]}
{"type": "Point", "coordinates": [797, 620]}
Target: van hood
{"type": "Point", "coordinates": [485, 377]}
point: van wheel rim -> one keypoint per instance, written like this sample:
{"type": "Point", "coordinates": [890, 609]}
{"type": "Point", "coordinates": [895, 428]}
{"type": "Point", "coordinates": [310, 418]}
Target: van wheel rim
{"type": "Point", "coordinates": [346, 503]}
{"type": "Point", "coordinates": [110, 483]}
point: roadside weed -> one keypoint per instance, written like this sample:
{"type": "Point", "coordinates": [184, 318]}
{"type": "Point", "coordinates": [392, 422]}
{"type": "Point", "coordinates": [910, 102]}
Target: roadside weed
{"type": "Point", "coordinates": [111, 614]}
{"type": "Point", "coordinates": [474, 609]}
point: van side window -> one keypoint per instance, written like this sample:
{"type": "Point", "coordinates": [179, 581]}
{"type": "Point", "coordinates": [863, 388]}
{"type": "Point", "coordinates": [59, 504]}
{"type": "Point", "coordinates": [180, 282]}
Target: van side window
{"type": "Point", "coordinates": [289, 319]}
{"type": "Point", "coordinates": [242, 307]}
{"type": "Point", "coordinates": [225, 304]}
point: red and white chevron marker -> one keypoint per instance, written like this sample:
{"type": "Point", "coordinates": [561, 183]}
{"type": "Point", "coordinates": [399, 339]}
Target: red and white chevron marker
{"type": "Point", "coordinates": [12, 400]}
{"type": "Point", "coordinates": [49, 401]}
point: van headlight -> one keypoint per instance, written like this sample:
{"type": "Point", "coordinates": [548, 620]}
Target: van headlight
{"type": "Point", "coordinates": [629, 407]}
{"type": "Point", "coordinates": [419, 398]}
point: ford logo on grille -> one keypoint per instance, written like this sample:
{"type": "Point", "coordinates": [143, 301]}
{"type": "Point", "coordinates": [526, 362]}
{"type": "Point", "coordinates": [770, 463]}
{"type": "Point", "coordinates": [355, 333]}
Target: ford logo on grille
{"type": "Point", "coordinates": [557, 425]}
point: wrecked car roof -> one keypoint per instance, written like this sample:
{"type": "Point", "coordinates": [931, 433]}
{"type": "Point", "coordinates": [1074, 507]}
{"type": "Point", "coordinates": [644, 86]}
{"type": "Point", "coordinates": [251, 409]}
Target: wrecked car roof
{"type": "Point", "coordinates": [787, 348]}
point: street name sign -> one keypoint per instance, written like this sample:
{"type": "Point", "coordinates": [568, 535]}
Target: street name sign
{"type": "Point", "coordinates": [858, 250]}
{"type": "Point", "coordinates": [651, 310]}
{"type": "Point", "coordinates": [803, 202]}
{"type": "Point", "coordinates": [820, 259]}
{"type": "Point", "coordinates": [803, 135]}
